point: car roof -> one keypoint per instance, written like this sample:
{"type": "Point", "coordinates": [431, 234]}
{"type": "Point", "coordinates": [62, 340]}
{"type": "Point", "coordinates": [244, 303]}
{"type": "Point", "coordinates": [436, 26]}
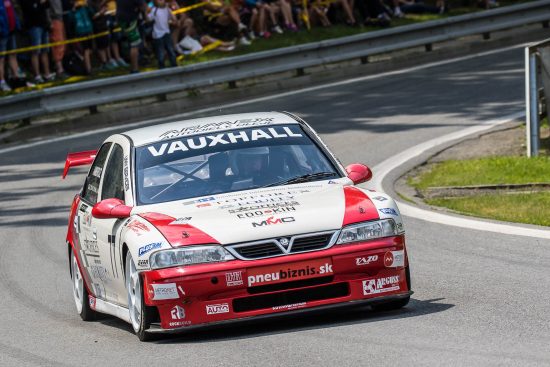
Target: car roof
{"type": "Point", "coordinates": [152, 134]}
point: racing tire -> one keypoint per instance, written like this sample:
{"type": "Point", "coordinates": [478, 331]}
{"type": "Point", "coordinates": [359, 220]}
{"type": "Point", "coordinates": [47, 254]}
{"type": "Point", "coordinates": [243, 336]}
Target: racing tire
{"type": "Point", "coordinates": [139, 313]}
{"type": "Point", "coordinates": [80, 292]}
{"type": "Point", "coordinates": [397, 304]}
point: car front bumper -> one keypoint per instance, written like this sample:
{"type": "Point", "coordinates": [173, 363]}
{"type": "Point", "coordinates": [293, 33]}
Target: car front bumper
{"type": "Point", "coordinates": [216, 293]}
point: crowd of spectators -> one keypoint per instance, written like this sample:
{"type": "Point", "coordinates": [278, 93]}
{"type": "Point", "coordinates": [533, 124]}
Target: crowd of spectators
{"type": "Point", "coordinates": [115, 34]}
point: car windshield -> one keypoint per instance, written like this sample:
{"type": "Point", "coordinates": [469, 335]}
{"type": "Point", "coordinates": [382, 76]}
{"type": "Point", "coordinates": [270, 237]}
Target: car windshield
{"type": "Point", "coordinates": [221, 162]}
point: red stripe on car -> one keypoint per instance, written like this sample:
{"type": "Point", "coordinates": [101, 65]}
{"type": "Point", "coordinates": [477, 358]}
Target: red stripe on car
{"type": "Point", "coordinates": [178, 234]}
{"type": "Point", "coordinates": [359, 207]}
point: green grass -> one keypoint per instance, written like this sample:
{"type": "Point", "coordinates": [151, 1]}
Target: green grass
{"type": "Point", "coordinates": [485, 171]}
{"type": "Point", "coordinates": [533, 208]}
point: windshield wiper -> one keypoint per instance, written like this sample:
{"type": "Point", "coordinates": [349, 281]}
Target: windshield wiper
{"type": "Point", "coordinates": [302, 178]}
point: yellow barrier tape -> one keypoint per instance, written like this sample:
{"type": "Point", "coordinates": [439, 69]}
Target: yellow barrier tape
{"type": "Point", "coordinates": [59, 43]}
{"type": "Point", "coordinates": [190, 7]}
{"type": "Point", "coordinates": [206, 48]}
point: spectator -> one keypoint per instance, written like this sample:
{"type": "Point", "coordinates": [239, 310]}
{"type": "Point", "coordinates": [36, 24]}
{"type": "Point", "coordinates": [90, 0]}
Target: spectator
{"type": "Point", "coordinates": [9, 23]}
{"type": "Point", "coordinates": [58, 35]}
{"type": "Point", "coordinates": [37, 20]}
{"type": "Point", "coordinates": [114, 37]}
{"type": "Point", "coordinates": [128, 12]}
{"type": "Point", "coordinates": [81, 19]}
{"type": "Point", "coordinates": [100, 24]}
{"type": "Point", "coordinates": [162, 17]}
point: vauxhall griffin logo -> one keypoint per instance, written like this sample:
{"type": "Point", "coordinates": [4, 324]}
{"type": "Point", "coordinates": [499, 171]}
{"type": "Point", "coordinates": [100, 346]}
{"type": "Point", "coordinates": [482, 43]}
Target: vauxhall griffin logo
{"type": "Point", "coordinates": [284, 242]}
{"type": "Point", "coordinates": [272, 220]}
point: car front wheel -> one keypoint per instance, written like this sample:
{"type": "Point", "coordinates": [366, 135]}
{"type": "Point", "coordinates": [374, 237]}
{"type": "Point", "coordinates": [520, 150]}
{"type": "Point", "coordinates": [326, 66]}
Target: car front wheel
{"type": "Point", "coordinates": [136, 306]}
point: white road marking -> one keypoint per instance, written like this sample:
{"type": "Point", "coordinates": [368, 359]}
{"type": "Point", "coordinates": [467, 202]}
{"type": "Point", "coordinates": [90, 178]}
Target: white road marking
{"type": "Point", "coordinates": [382, 169]}
{"type": "Point", "coordinates": [261, 99]}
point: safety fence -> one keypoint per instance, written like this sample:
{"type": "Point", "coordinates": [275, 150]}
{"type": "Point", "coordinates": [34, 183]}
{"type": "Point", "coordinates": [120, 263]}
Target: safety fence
{"type": "Point", "coordinates": [90, 94]}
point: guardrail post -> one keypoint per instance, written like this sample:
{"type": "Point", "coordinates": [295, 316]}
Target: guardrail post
{"type": "Point", "coordinates": [428, 47]}
{"type": "Point", "coordinates": [545, 24]}
{"type": "Point", "coordinates": [232, 84]}
{"type": "Point", "coordinates": [300, 72]}
{"type": "Point", "coordinates": [365, 60]}
{"type": "Point", "coordinates": [486, 35]}
{"type": "Point", "coordinates": [531, 103]}
{"type": "Point", "coordinates": [93, 110]}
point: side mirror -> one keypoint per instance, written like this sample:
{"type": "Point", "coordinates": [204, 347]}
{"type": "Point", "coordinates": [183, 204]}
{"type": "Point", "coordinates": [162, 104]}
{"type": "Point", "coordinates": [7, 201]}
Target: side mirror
{"type": "Point", "coordinates": [358, 173]}
{"type": "Point", "coordinates": [110, 209]}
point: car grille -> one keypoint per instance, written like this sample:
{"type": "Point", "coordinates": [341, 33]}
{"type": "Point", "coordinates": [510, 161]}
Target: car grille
{"type": "Point", "coordinates": [273, 247]}
{"type": "Point", "coordinates": [291, 297]}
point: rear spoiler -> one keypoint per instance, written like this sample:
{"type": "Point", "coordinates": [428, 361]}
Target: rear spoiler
{"type": "Point", "coordinates": [79, 159]}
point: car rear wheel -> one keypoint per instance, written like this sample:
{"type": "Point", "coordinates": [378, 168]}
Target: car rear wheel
{"type": "Point", "coordinates": [397, 304]}
{"type": "Point", "coordinates": [139, 317]}
{"type": "Point", "coordinates": [80, 293]}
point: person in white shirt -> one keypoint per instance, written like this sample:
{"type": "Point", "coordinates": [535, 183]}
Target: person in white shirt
{"type": "Point", "coordinates": [162, 17]}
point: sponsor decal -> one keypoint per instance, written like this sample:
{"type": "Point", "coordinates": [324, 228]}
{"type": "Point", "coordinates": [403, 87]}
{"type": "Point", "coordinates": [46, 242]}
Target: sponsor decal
{"type": "Point", "coordinates": [260, 213]}
{"type": "Point", "coordinates": [150, 247]}
{"type": "Point", "coordinates": [183, 220]}
{"type": "Point", "coordinates": [91, 300]}
{"type": "Point", "coordinates": [90, 246]}
{"type": "Point", "coordinates": [394, 259]}
{"type": "Point", "coordinates": [290, 307]}
{"type": "Point", "coordinates": [92, 188]}
{"type": "Point", "coordinates": [97, 261]}
{"type": "Point", "coordinates": [400, 227]}
{"type": "Point", "coordinates": [126, 174]}
{"type": "Point", "coordinates": [99, 290]}
{"type": "Point", "coordinates": [284, 242]}
{"type": "Point", "coordinates": [217, 309]}
{"type": "Point", "coordinates": [234, 278]}
{"type": "Point", "coordinates": [381, 285]}
{"type": "Point", "coordinates": [331, 182]}
{"type": "Point", "coordinates": [265, 207]}
{"type": "Point", "coordinates": [203, 205]}
{"type": "Point", "coordinates": [272, 220]}
{"type": "Point", "coordinates": [359, 261]}
{"type": "Point", "coordinates": [198, 201]}
{"type": "Point", "coordinates": [177, 313]}
{"type": "Point", "coordinates": [389, 211]}
{"type": "Point", "coordinates": [223, 138]}
{"type": "Point", "coordinates": [143, 263]}
{"type": "Point", "coordinates": [99, 272]}
{"type": "Point", "coordinates": [379, 198]}
{"type": "Point", "coordinates": [164, 291]}
{"type": "Point", "coordinates": [137, 227]}
{"type": "Point", "coordinates": [181, 290]}
{"type": "Point", "coordinates": [214, 126]}
{"type": "Point", "coordinates": [289, 272]}
{"type": "Point", "coordinates": [97, 172]}
{"type": "Point", "coordinates": [179, 323]}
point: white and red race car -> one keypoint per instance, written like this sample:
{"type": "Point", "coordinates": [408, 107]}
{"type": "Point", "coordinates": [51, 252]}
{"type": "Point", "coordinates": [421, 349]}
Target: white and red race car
{"type": "Point", "coordinates": [228, 218]}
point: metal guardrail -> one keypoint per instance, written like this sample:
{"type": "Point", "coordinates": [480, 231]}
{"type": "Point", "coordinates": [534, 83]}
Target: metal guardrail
{"type": "Point", "coordinates": [537, 92]}
{"type": "Point", "coordinates": [92, 93]}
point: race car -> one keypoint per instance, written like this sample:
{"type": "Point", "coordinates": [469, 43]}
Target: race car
{"type": "Point", "coordinates": [227, 218]}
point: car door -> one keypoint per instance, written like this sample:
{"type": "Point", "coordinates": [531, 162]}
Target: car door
{"type": "Point", "coordinates": [110, 271]}
{"type": "Point", "coordinates": [90, 252]}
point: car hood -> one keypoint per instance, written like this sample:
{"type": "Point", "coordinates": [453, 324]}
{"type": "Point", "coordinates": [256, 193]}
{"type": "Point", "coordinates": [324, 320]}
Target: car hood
{"type": "Point", "coordinates": [259, 214]}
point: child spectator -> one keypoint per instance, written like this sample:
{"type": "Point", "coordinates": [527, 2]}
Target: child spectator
{"type": "Point", "coordinates": [37, 21]}
{"type": "Point", "coordinates": [128, 12]}
{"type": "Point", "coordinates": [162, 17]}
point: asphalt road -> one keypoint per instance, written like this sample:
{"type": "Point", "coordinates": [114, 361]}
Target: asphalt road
{"type": "Point", "coordinates": [481, 298]}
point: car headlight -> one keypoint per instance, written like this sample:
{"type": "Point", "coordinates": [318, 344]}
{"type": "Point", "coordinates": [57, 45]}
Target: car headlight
{"type": "Point", "coordinates": [189, 255]}
{"type": "Point", "coordinates": [367, 231]}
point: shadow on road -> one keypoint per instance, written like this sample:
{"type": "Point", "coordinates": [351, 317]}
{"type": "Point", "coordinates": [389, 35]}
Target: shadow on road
{"type": "Point", "coordinates": [289, 324]}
